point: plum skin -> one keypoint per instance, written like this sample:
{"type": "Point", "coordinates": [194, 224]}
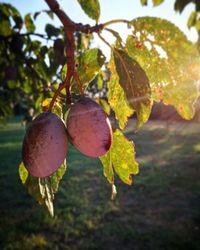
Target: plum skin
{"type": "Point", "coordinates": [45, 145]}
{"type": "Point", "coordinates": [89, 128]}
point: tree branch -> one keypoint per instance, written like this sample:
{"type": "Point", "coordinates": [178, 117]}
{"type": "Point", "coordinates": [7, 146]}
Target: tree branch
{"type": "Point", "coordinates": [66, 21]}
{"type": "Point", "coordinates": [70, 28]}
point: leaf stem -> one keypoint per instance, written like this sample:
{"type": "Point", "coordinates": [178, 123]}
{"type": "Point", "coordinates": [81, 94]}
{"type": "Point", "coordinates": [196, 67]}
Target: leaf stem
{"type": "Point", "coordinates": [103, 39]}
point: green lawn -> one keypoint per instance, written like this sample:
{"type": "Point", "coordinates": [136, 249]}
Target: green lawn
{"type": "Point", "coordinates": [161, 210]}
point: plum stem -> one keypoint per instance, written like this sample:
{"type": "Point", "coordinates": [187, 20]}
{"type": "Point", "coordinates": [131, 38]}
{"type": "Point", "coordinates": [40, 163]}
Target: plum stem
{"type": "Point", "coordinates": [103, 39]}
{"type": "Point", "coordinates": [57, 92]}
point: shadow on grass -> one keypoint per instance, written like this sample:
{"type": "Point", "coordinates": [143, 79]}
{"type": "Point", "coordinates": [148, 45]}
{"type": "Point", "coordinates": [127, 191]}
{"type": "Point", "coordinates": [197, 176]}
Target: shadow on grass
{"type": "Point", "coordinates": [160, 211]}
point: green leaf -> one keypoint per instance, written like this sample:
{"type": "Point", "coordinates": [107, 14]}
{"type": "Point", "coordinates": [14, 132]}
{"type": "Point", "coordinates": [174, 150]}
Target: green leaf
{"type": "Point", "coordinates": [42, 69]}
{"type": "Point", "coordinates": [192, 19]}
{"type": "Point", "coordinates": [197, 25]}
{"type": "Point", "coordinates": [143, 2]}
{"type": "Point", "coordinates": [121, 159]}
{"type": "Point", "coordinates": [4, 10]}
{"type": "Point", "coordinates": [171, 62]}
{"type": "Point", "coordinates": [7, 11]}
{"type": "Point", "coordinates": [29, 23]}
{"type": "Point", "coordinates": [91, 8]}
{"type": "Point", "coordinates": [36, 14]}
{"type": "Point", "coordinates": [11, 11]}
{"type": "Point", "coordinates": [48, 12]}
{"type": "Point", "coordinates": [42, 189]}
{"type": "Point", "coordinates": [117, 98]}
{"type": "Point", "coordinates": [64, 72]}
{"type": "Point", "coordinates": [135, 84]}
{"type": "Point", "coordinates": [57, 177]}
{"type": "Point", "coordinates": [11, 84]}
{"type": "Point", "coordinates": [18, 22]}
{"type": "Point", "coordinates": [157, 2]}
{"type": "Point", "coordinates": [59, 47]}
{"type": "Point", "coordinates": [100, 82]}
{"type": "Point", "coordinates": [181, 4]}
{"type": "Point", "coordinates": [90, 64]}
{"type": "Point", "coordinates": [5, 28]}
{"type": "Point", "coordinates": [51, 30]}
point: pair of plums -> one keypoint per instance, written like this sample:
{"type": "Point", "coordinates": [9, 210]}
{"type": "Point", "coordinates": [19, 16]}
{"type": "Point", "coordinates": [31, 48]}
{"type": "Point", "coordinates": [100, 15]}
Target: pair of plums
{"type": "Point", "coordinates": [45, 143]}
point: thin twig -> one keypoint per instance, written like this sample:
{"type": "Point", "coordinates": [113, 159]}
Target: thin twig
{"type": "Point", "coordinates": [64, 18]}
{"type": "Point", "coordinates": [103, 39]}
{"type": "Point", "coordinates": [116, 21]}
{"type": "Point", "coordinates": [57, 92]}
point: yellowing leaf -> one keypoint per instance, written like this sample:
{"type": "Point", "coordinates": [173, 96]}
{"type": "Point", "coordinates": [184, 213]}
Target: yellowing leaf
{"type": "Point", "coordinates": [108, 167]}
{"type": "Point", "coordinates": [121, 158]}
{"type": "Point", "coordinates": [57, 108]}
{"type": "Point", "coordinates": [135, 84]}
{"type": "Point", "coordinates": [23, 173]}
{"type": "Point", "coordinates": [171, 62]}
{"type": "Point", "coordinates": [117, 97]}
{"type": "Point", "coordinates": [157, 2]}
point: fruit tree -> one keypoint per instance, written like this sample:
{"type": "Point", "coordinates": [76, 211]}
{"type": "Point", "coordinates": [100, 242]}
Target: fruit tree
{"type": "Point", "coordinates": [156, 63]}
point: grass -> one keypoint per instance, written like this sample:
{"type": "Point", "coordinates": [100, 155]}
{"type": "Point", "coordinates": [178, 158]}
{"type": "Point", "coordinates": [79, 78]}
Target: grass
{"type": "Point", "coordinates": [161, 211]}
